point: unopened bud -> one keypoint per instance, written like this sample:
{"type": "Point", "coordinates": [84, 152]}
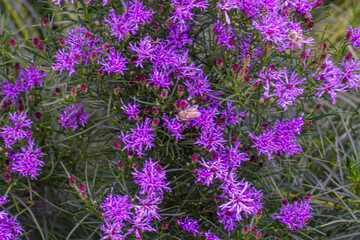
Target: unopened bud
{"type": "Point", "coordinates": [62, 42]}
{"type": "Point", "coordinates": [235, 67]}
{"type": "Point", "coordinates": [35, 41]}
{"type": "Point", "coordinates": [37, 115]}
{"type": "Point", "coordinates": [120, 165]}
{"type": "Point", "coordinates": [155, 111]}
{"type": "Point", "coordinates": [12, 42]}
{"type": "Point", "coordinates": [164, 93]}
{"type": "Point", "coordinates": [74, 92]}
{"type": "Point", "coordinates": [135, 165]}
{"type": "Point", "coordinates": [41, 47]}
{"type": "Point", "coordinates": [258, 235]}
{"type": "Point", "coordinates": [194, 158]}
{"type": "Point", "coordinates": [284, 202]}
{"type": "Point", "coordinates": [219, 62]}
{"type": "Point", "coordinates": [116, 145]}
{"type": "Point", "coordinates": [72, 181]}
{"type": "Point", "coordinates": [131, 154]}
{"type": "Point", "coordinates": [155, 122]}
{"type": "Point", "coordinates": [348, 56]}
{"type": "Point", "coordinates": [246, 229]}
{"type": "Point", "coordinates": [46, 22]}
{"type": "Point", "coordinates": [247, 60]}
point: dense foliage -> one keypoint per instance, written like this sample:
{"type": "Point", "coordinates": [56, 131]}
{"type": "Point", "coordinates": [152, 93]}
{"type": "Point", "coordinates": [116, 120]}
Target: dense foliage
{"type": "Point", "coordinates": [180, 119]}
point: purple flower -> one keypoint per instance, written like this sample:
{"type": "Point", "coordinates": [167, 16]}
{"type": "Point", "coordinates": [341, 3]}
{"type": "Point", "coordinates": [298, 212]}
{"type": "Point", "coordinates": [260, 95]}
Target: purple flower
{"type": "Point", "coordinates": [234, 157]}
{"type": "Point", "coordinates": [113, 63]}
{"type": "Point", "coordinates": [27, 162]}
{"type": "Point", "coordinates": [31, 76]}
{"type": "Point", "coordinates": [11, 91]}
{"type": "Point", "coordinates": [350, 75]}
{"type": "Point", "coordinates": [211, 138]}
{"type": "Point", "coordinates": [183, 10]}
{"type": "Point", "coordinates": [10, 229]}
{"type": "Point", "coordinates": [3, 200]}
{"type": "Point", "coordinates": [151, 180]}
{"type": "Point", "coordinates": [190, 225]}
{"type": "Point", "coordinates": [271, 27]}
{"type": "Point", "coordinates": [295, 216]}
{"type": "Point", "coordinates": [211, 236]}
{"type": "Point", "coordinates": [148, 207]}
{"type": "Point", "coordinates": [144, 51]}
{"type": "Point", "coordinates": [73, 116]}
{"type": "Point", "coordinates": [303, 7]}
{"type": "Point", "coordinates": [280, 139]}
{"type": "Point", "coordinates": [160, 78]}
{"type": "Point", "coordinates": [139, 138]}
{"type": "Point", "coordinates": [178, 36]}
{"type": "Point", "coordinates": [140, 224]}
{"type": "Point", "coordinates": [131, 109]}
{"type": "Point", "coordinates": [115, 210]}
{"type": "Point", "coordinates": [58, 2]}
{"type": "Point", "coordinates": [231, 115]}
{"type": "Point", "coordinates": [353, 35]}
{"type": "Point", "coordinates": [129, 21]}
{"type": "Point", "coordinates": [224, 35]}
{"type": "Point", "coordinates": [15, 131]}
{"type": "Point", "coordinates": [246, 47]}
{"type": "Point", "coordinates": [66, 61]}
{"type": "Point", "coordinates": [174, 126]}
{"type": "Point", "coordinates": [226, 5]}
{"type": "Point", "coordinates": [286, 88]}
{"type": "Point", "coordinates": [242, 198]}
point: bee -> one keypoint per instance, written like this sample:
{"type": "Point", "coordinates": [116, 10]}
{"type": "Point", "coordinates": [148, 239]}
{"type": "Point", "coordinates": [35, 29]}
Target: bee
{"type": "Point", "coordinates": [294, 36]}
{"type": "Point", "coordinates": [188, 113]}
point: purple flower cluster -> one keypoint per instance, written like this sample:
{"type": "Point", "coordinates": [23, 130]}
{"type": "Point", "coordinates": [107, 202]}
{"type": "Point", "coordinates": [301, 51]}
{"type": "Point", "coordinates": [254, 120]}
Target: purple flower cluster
{"type": "Point", "coordinates": [295, 216]}
{"type": "Point", "coordinates": [190, 225]}
{"type": "Point", "coordinates": [27, 80]}
{"type": "Point", "coordinates": [80, 47]}
{"type": "Point", "coordinates": [136, 14]}
{"type": "Point", "coordinates": [131, 109]}
{"type": "Point", "coordinates": [73, 116]}
{"type": "Point", "coordinates": [58, 2]}
{"type": "Point", "coordinates": [285, 86]}
{"type": "Point", "coordinates": [10, 229]}
{"type": "Point", "coordinates": [353, 36]}
{"type": "Point", "coordinates": [224, 35]}
{"type": "Point", "coordinates": [140, 138]}
{"type": "Point", "coordinates": [118, 209]}
{"type": "Point", "coordinates": [182, 13]}
{"type": "Point", "coordinates": [113, 62]}
{"type": "Point", "coordinates": [279, 139]}
{"type": "Point", "coordinates": [26, 162]}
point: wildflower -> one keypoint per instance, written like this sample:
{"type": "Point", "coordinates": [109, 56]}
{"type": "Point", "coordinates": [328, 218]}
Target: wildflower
{"type": "Point", "coordinates": [144, 51]}
{"type": "Point", "coordinates": [354, 36]}
{"type": "Point", "coordinates": [113, 63]}
{"type": "Point", "coordinates": [65, 61]}
{"type": "Point", "coordinates": [280, 139]}
{"type": "Point", "coordinates": [17, 130]}
{"type": "Point", "coordinates": [31, 76]}
{"type": "Point", "coordinates": [286, 88]}
{"type": "Point", "coordinates": [242, 199]}
{"type": "Point", "coordinates": [160, 78]}
{"type": "Point", "coordinates": [3, 200]}
{"type": "Point", "coordinates": [224, 35]}
{"type": "Point", "coordinates": [27, 162]}
{"type": "Point", "coordinates": [183, 10]}
{"type": "Point", "coordinates": [131, 110]}
{"type": "Point", "coordinates": [140, 137]}
{"type": "Point", "coordinates": [174, 126]}
{"type": "Point", "coordinates": [211, 138]}
{"type": "Point", "coordinates": [190, 225]}
{"type": "Point", "coordinates": [9, 227]}
{"type": "Point", "coordinates": [73, 116]}
{"type": "Point", "coordinates": [295, 216]}
{"type": "Point", "coordinates": [151, 180]}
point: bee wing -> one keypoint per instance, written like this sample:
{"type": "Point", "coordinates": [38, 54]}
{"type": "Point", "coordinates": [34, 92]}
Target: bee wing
{"type": "Point", "coordinates": [193, 107]}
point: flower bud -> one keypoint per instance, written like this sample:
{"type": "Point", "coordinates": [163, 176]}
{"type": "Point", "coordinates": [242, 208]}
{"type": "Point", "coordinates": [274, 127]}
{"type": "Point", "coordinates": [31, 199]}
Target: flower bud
{"type": "Point", "coordinates": [116, 145]}
{"type": "Point", "coordinates": [35, 41]}
{"type": "Point", "coordinates": [41, 47]}
{"type": "Point", "coordinates": [62, 42]}
{"type": "Point", "coordinates": [348, 56]}
{"type": "Point", "coordinates": [164, 93]}
{"type": "Point", "coordinates": [318, 3]}
{"type": "Point", "coordinates": [247, 79]}
{"type": "Point", "coordinates": [12, 42]}
{"type": "Point", "coordinates": [83, 192]}
{"type": "Point", "coordinates": [180, 90]}
{"type": "Point", "coordinates": [87, 36]}
{"type": "Point", "coordinates": [311, 24]}
{"type": "Point", "coordinates": [258, 235]}
{"type": "Point", "coordinates": [100, 72]}
{"type": "Point", "coordinates": [57, 91]}
{"type": "Point", "coordinates": [155, 111]}
{"type": "Point", "coordinates": [269, 46]}
{"type": "Point", "coordinates": [254, 229]}
{"type": "Point", "coordinates": [155, 122]}
{"type": "Point", "coordinates": [246, 229]}
{"type": "Point", "coordinates": [235, 67]}
{"type": "Point", "coordinates": [219, 62]}
{"type": "Point", "coordinates": [308, 123]}
{"type": "Point", "coordinates": [156, 26]}
{"type": "Point", "coordinates": [83, 88]}
{"type": "Point", "coordinates": [307, 196]}
{"type": "Point", "coordinates": [17, 68]}
{"type": "Point", "coordinates": [120, 165]}
{"type": "Point", "coordinates": [194, 158]}
{"type": "Point", "coordinates": [258, 214]}
{"type": "Point", "coordinates": [131, 154]}
{"type": "Point", "coordinates": [284, 202]}
{"type": "Point", "coordinates": [135, 165]}
{"type": "Point", "coordinates": [117, 91]}
{"type": "Point", "coordinates": [321, 48]}
{"type": "Point", "coordinates": [38, 115]}
{"type": "Point", "coordinates": [7, 177]}
{"type": "Point", "coordinates": [72, 181]}
{"type": "Point", "coordinates": [318, 106]}
{"type": "Point", "coordinates": [247, 60]}
{"type": "Point", "coordinates": [165, 225]}
{"type": "Point", "coordinates": [46, 22]}
{"type": "Point", "coordinates": [74, 91]}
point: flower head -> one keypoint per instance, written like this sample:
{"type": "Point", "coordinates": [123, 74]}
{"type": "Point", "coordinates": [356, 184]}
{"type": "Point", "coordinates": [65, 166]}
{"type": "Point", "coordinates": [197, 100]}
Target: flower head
{"type": "Point", "coordinates": [73, 116]}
